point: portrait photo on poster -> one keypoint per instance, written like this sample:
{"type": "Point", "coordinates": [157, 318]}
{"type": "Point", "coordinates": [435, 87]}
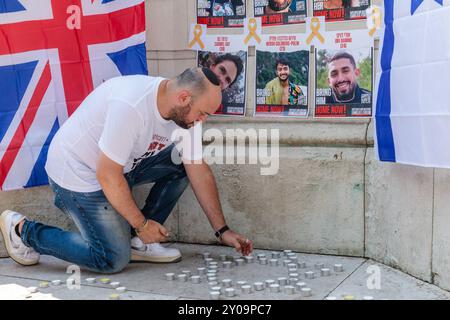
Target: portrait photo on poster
{"type": "Point", "coordinates": [344, 83]}
{"type": "Point", "coordinates": [282, 80]}
{"type": "Point", "coordinates": [231, 70]}
{"type": "Point", "coordinates": [340, 10]}
{"type": "Point", "coordinates": [280, 12]}
{"type": "Point", "coordinates": [221, 13]}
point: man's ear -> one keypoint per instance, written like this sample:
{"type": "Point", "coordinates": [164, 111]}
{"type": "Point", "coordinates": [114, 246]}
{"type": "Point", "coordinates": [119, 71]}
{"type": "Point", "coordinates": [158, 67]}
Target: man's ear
{"type": "Point", "coordinates": [357, 72]}
{"type": "Point", "coordinates": [184, 97]}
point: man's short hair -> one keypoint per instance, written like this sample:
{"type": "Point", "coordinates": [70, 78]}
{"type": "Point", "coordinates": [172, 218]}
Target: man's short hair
{"type": "Point", "coordinates": [343, 55]}
{"type": "Point", "coordinates": [235, 59]}
{"type": "Point", "coordinates": [281, 61]}
{"type": "Point", "coordinates": [194, 79]}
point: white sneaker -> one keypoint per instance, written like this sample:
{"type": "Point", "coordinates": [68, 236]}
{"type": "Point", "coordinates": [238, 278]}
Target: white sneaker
{"type": "Point", "coordinates": [153, 252]}
{"type": "Point", "coordinates": [17, 250]}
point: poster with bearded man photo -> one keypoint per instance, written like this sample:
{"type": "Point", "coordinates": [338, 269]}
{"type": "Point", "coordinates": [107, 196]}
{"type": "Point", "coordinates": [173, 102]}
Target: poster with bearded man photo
{"type": "Point", "coordinates": [344, 83]}
{"type": "Point", "coordinates": [280, 12]}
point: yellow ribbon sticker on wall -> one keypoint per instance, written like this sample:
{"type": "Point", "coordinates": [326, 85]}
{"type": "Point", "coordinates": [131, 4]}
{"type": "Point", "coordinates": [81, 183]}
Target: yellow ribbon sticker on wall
{"type": "Point", "coordinates": [374, 20]}
{"type": "Point", "coordinates": [252, 27]}
{"type": "Point", "coordinates": [315, 27]}
{"type": "Point", "coordinates": [198, 31]}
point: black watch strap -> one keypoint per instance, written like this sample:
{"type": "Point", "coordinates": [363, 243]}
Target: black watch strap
{"type": "Point", "coordinates": [221, 231]}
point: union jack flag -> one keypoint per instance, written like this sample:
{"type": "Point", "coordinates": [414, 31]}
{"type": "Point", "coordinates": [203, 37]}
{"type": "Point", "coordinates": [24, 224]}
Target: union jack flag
{"type": "Point", "coordinates": [53, 53]}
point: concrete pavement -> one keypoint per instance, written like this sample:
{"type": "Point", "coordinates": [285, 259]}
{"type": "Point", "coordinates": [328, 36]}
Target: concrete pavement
{"type": "Point", "coordinates": [360, 278]}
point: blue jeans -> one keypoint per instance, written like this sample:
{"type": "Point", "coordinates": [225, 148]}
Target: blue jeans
{"type": "Point", "coordinates": [103, 244]}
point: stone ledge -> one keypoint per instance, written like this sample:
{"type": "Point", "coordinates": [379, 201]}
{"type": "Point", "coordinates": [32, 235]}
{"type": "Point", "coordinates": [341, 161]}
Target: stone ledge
{"type": "Point", "coordinates": [304, 132]}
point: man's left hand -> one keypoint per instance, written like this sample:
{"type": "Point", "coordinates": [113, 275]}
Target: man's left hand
{"type": "Point", "coordinates": [242, 244]}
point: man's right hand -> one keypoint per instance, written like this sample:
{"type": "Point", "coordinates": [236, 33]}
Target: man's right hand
{"type": "Point", "coordinates": [153, 232]}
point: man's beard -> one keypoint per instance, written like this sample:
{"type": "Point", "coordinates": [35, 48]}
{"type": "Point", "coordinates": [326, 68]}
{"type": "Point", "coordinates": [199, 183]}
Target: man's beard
{"type": "Point", "coordinates": [178, 115]}
{"type": "Point", "coordinates": [343, 97]}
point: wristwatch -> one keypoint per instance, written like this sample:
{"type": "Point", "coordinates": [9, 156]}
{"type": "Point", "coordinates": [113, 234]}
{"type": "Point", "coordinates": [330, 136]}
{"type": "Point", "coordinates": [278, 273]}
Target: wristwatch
{"type": "Point", "coordinates": [220, 232]}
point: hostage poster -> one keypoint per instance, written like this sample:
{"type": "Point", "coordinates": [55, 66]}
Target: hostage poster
{"type": "Point", "coordinates": [280, 12]}
{"type": "Point", "coordinates": [221, 13]}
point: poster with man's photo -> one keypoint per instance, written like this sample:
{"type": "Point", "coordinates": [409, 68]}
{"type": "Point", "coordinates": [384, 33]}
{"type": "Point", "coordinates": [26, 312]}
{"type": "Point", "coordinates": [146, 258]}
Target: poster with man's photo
{"type": "Point", "coordinates": [221, 13]}
{"type": "Point", "coordinates": [344, 80]}
{"type": "Point", "coordinates": [282, 83]}
{"type": "Point", "coordinates": [280, 12]}
{"type": "Point", "coordinates": [230, 69]}
{"type": "Point", "coordinates": [340, 10]}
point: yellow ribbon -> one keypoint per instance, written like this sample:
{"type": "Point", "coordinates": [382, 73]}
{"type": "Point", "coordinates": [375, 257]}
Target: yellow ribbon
{"type": "Point", "coordinates": [198, 31]}
{"type": "Point", "coordinates": [315, 27]}
{"type": "Point", "coordinates": [376, 19]}
{"type": "Point", "coordinates": [252, 27]}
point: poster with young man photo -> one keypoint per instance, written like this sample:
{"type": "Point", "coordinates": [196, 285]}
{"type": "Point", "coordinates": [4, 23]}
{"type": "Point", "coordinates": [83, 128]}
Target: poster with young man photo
{"type": "Point", "coordinates": [282, 83]}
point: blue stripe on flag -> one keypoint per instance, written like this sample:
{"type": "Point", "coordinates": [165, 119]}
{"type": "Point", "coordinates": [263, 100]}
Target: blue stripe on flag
{"type": "Point", "coordinates": [106, 1]}
{"type": "Point", "coordinates": [414, 5]}
{"type": "Point", "coordinates": [14, 81]}
{"type": "Point", "coordinates": [39, 175]}
{"type": "Point", "coordinates": [7, 6]}
{"type": "Point", "coordinates": [131, 60]}
{"type": "Point", "coordinates": [385, 138]}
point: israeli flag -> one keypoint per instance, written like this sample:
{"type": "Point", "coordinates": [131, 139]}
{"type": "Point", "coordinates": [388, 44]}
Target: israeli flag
{"type": "Point", "coordinates": [412, 117]}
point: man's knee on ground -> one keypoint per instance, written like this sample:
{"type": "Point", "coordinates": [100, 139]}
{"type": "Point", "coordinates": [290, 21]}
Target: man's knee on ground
{"type": "Point", "coordinates": [111, 264]}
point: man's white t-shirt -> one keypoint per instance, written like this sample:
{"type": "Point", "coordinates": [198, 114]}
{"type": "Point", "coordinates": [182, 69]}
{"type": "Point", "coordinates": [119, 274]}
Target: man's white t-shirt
{"type": "Point", "coordinates": [121, 119]}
